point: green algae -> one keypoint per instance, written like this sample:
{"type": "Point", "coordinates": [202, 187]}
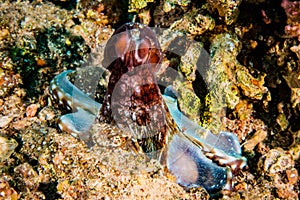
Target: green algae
{"type": "Point", "coordinates": [136, 5]}
{"type": "Point", "coordinates": [189, 103]}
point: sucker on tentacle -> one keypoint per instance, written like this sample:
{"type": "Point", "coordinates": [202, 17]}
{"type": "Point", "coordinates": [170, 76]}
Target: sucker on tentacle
{"type": "Point", "coordinates": [134, 102]}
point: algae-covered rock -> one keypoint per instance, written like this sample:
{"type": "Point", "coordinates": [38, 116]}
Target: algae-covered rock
{"type": "Point", "coordinates": [189, 103]}
{"type": "Point", "coordinates": [252, 87]}
{"type": "Point", "coordinates": [170, 4]}
{"type": "Point", "coordinates": [223, 50]}
{"type": "Point", "coordinates": [189, 61]}
{"type": "Point", "coordinates": [226, 8]}
{"type": "Point", "coordinates": [227, 79]}
{"type": "Point", "coordinates": [294, 150]}
{"type": "Point", "coordinates": [194, 23]}
{"type": "Point", "coordinates": [209, 84]}
{"type": "Point", "coordinates": [293, 81]}
{"type": "Point", "coordinates": [295, 98]}
{"type": "Point", "coordinates": [136, 5]}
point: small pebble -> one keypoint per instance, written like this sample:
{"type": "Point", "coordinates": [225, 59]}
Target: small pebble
{"type": "Point", "coordinates": [4, 121]}
{"type": "Point", "coordinates": [31, 110]}
{"type": "Point", "coordinates": [292, 175]}
{"type": "Point", "coordinates": [7, 147]}
{"type": "Point", "coordinates": [258, 137]}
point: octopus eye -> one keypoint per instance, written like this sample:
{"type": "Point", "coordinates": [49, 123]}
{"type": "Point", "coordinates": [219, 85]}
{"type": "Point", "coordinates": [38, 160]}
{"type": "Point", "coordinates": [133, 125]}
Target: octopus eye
{"type": "Point", "coordinates": [143, 48]}
{"type": "Point", "coordinates": [122, 44]}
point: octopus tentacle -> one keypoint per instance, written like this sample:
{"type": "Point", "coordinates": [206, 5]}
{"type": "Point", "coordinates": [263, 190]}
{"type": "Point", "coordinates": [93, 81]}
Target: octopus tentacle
{"type": "Point", "coordinates": [84, 108]}
{"type": "Point", "coordinates": [184, 158]}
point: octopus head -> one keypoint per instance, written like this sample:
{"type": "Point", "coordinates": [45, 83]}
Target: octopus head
{"type": "Point", "coordinates": [132, 44]}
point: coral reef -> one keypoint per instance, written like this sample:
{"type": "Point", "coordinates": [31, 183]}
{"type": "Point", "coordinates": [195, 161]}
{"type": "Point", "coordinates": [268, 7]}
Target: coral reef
{"type": "Point", "coordinates": [254, 52]}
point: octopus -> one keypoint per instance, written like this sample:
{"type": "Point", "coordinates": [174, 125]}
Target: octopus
{"type": "Point", "coordinates": [134, 103]}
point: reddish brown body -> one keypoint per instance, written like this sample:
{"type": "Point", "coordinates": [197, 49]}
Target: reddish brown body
{"type": "Point", "coordinates": [133, 99]}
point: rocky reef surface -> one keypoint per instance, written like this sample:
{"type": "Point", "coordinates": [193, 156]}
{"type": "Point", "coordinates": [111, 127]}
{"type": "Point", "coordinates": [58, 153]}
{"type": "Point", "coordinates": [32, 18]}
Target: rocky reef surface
{"type": "Point", "coordinates": [238, 69]}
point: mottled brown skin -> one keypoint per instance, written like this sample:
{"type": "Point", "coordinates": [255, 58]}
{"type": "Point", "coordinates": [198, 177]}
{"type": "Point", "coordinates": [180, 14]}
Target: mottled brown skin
{"type": "Point", "coordinates": [133, 99]}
